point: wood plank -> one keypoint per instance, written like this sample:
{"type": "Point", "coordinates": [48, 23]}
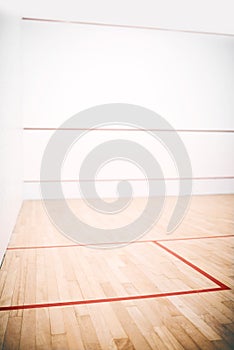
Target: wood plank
{"type": "Point", "coordinates": [77, 273]}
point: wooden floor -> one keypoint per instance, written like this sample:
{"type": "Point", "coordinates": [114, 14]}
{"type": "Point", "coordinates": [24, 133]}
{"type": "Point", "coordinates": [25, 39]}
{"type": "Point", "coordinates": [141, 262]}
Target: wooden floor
{"type": "Point", "coordinates": [161, 292]}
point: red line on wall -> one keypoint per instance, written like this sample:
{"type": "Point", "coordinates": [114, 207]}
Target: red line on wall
{"type": "Point", "coordinates": [139, 179]}
{"type": "Point", "coordinates": [125, 26]}
{"type": "Point", "coordinates": [130, 129]}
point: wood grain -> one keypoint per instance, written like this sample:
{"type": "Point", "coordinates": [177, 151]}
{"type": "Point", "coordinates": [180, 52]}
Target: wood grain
{"type": "Point", "coordinates": [63, 274]}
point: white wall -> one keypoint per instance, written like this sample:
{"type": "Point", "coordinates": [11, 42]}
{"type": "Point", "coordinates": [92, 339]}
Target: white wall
{"type": "Point", "coordinates": [186, 78]}
{"type": "Point", "coordinates": [208, 15]}
{"type": "Point", "coordinates": [10, 126]}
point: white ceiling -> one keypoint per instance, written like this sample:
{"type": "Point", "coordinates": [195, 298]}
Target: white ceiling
{"type": "Point", "coordinates": [198, 15]}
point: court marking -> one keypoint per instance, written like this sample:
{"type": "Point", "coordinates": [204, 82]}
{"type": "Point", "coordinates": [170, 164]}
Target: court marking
{"type": "Point", "coordinates": [101, 24]}
{"type": "Point", "coordinates": [108, 300]}
{"type": "Point", "coordinates": [133, 242]}
{"type": "Point", "coordinates": [137, 179]}
{"type": "Point", "coordinates": [220, 287]}
{"type": "Point", "coordinates": [134, 130]}
{"type": "Point", "coordinates": [193, 266]}
{"type": "Point", "coordinates": [129, 129]}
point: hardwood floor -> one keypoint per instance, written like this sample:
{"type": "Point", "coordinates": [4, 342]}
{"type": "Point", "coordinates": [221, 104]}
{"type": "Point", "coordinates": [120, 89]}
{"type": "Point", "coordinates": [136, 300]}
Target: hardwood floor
{"type": "Point", "coordinates": [161, 292]}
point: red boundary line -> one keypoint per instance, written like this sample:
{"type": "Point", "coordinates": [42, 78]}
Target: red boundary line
{"type": "Point", "coordinates": [112, 243]}
{"type": "Point", "coordinates": [76, 245]}
{"type": "Point", "coordinates": [109, 300]}
{"type": "Point", "coordinates": [130, 129]}
{"type": "Point", "coordinates": [125, 26]}
{"type": "Point", "coordinates": [196, 268]}
{"type": "Point", "coordinates": [192, 238]}
{"type": "Point", "coordinates": [135, 179]}
{"type": "Point", "coordinates": [221, 287]}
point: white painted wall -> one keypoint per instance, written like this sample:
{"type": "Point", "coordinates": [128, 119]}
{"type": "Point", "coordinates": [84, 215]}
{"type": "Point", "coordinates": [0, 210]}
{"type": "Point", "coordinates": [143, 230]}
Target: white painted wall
{"type": "Point", "coordinates": [208, 15]}
{"type": "Point", "coordinates": [186, 78]}
{"type": "Point", "coordinates": [10, 125]}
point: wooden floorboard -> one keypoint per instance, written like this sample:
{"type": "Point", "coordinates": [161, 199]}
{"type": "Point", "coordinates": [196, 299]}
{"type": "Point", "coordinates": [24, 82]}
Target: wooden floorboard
{"type": "Point", "coordinates": [164, 292]}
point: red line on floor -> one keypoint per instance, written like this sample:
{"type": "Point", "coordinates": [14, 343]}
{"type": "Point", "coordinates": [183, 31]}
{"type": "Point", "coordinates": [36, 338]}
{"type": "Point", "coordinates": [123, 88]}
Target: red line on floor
{"type": "Point", "coordinates": [192, 238]}
{"type": "Point", "coordinates": [221, 287]}
{"type": "Point", "coordinates": [196, 268]}
{"type": "Point", "coordinates": [45, 247]}
{"type": "Point", "coordinates": [112, 243]}
{"type": "Point", "coordinates": [109, 300]}
{"type": "Point", "coordinates": [76, 245]}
